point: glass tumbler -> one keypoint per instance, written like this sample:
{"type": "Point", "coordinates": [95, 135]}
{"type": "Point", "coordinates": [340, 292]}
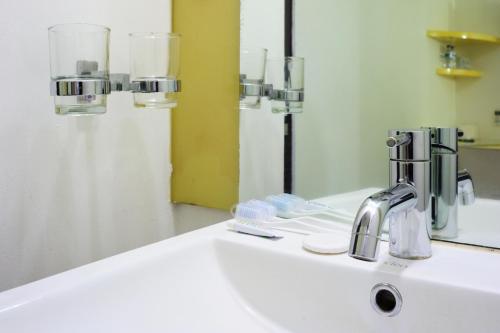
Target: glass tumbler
{"type": "Point", "coordinates": [79, 68]}
{"type": "Point", "coordinates": [154, 58]}
{"type": "Point", "coordinates": [252, 71]}
{"type": "Point", "coordinates": [287, 78]}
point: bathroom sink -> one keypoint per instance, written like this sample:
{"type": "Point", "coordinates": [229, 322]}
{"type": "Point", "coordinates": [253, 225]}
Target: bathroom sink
{"type": "Point", "coordinates": [171, 286]}
{"type": "Point", "coordinates": [215, 280]}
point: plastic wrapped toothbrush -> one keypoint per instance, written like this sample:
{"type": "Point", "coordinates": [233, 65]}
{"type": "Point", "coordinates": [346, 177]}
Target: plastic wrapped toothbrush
{"type": "Point", "coordinates": [292, 206]}
{"type": "Point", "coordinates": [261, 214]}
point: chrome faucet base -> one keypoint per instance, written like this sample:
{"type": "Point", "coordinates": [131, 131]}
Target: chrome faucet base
{"type": "Point", "coordinates": [410, 231]}
{"type": "Point", "coordinates": [410, 257]}
{"type": "Point", "coordinates": [409, 236]}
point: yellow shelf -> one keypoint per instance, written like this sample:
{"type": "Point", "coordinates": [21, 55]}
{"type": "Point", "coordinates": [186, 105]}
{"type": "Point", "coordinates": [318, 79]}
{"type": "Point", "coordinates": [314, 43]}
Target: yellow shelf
{"type": "Point", "coordinates": [456, 72]}
{"type": "Point", "coordinates": [458, 37]}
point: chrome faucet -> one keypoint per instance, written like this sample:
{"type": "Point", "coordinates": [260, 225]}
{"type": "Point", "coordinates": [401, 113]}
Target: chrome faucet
{"type": "Point", "coordinates": [466, 192]}
{"type": "Point", "coordinates": [406, 204]}
{"type": "Point", "coordinates": [449, 186]}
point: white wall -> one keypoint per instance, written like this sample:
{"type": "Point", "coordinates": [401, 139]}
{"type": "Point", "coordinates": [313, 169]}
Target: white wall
{"type": "Point", "coordinates": [261, 132]}
{"type": "Point", "coordinates": [369, 68]}
{"type": "Point", "coordinates": [74, 190]}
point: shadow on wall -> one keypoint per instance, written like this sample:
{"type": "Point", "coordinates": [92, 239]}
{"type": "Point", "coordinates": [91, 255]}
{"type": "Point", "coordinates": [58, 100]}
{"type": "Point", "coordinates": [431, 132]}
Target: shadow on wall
{"type": "Point", "coordinates": [134, 185]}
{"type": "Point", "coordinates": [89, 203]}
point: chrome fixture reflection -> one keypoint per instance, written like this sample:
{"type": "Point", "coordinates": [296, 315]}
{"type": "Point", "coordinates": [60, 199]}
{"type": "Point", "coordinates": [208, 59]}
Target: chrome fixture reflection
{"type": "Point", "coordinates": [449, 186]}
{"type": "Point", "coordinates": [285, 76]}
{"type": "Point", "coordinates": [252, 87]}
{"type": "Point", "coordinates": [405, 204]}
{"type": "Point", "coordinates": [466, 194]}
{"type": "Point", "coordinates": [80, 78]}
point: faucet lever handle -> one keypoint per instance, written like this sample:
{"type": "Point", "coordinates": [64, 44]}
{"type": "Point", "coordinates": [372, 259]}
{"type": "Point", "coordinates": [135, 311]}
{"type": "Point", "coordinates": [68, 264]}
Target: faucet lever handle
{"type": "Point", "coordinates": [398, 140]}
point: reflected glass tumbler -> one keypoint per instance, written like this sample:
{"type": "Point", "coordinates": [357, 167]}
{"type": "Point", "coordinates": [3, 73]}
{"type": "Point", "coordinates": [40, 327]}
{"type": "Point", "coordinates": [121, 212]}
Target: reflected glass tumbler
{"type": "Point", "coordinates": [79, 60]}
{"type": "Point", "coordinates": [252, 71]}
{"type": "Point", "coordinates": [154, 56]}
{"type": "Point", "coordinates": [287, 78]}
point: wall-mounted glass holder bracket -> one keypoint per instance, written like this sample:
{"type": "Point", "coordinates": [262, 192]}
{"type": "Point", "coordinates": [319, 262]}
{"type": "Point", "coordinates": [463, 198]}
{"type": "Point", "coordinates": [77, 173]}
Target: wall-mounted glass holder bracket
{"type": "Point", "coordinates": [80, 87]}
{"type": "Point", "coordinates": [89, 83]}
{"type": "Point", "coordinates": [117, 82]}
{"type": "Point", "coordinates": [155, 85]}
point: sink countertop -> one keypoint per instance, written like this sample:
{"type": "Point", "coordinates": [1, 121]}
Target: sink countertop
{"type": "Point", "coordinates": [449, 264]}
{"type": "Point", "coordinates": [156, 275]}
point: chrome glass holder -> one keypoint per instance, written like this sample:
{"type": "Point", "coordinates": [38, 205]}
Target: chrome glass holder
{"type": "Point", "coordinates": [79, 87]}
{"type": "Point", "coordinates": [155, 86]}
{"type": "Point", "coordinates": [117, 82]}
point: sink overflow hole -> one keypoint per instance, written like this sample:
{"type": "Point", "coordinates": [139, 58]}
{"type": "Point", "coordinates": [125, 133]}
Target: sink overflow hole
{"type": "Point", "coordinates": [386, 299]}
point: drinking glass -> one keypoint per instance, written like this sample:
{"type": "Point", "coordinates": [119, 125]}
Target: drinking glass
{"type": "Point", "coordinates": [154, 59]}
{"type": "Point", "coordinates": [287, 78]}
{"type": "Point", "coordinates": [79, 68]}
{"type": "Point", "coordinates": [252, 71]}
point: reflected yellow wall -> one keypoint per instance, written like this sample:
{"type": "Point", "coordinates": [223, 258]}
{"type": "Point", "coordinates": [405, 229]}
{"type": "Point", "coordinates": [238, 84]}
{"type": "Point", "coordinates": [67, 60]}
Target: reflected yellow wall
{"type": "Point", "coordinates": [205, 144]}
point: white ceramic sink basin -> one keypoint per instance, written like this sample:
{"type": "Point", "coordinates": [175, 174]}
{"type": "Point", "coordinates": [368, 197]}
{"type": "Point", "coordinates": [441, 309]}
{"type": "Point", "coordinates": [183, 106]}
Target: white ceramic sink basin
{"type": "Point", "coordinates": [172, 286]}
{"type": "Point", "coordinates": [214, 280]}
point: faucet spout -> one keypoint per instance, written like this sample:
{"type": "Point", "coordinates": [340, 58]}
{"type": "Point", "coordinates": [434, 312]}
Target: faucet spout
{"type": "Point", "coordinates": [372, 214]}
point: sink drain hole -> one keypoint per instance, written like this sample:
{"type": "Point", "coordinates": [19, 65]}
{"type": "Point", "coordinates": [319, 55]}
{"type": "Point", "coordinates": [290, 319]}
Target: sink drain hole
{"type": "Point", "coordinates": [386, 299]}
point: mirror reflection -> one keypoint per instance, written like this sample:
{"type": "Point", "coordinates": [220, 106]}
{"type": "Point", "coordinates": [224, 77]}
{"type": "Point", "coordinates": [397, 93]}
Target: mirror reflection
{"type": "Point", "coordinates": [378, 73]}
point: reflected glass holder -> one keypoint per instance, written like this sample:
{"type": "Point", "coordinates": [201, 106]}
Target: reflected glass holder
{"type": "Point", "coordinates": [256, 88]}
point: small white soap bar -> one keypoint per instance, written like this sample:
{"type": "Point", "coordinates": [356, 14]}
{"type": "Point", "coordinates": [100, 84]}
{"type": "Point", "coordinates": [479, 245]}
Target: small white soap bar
{"type": "Point", "coordinates": [327, 243]}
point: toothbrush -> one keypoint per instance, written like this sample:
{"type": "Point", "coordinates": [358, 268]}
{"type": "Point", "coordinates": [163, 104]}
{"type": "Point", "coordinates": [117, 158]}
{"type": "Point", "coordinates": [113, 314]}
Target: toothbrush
{"type": "Point", "coordinates": [292, 206]}
{"type": "Point", "coordinates": [263, 214]}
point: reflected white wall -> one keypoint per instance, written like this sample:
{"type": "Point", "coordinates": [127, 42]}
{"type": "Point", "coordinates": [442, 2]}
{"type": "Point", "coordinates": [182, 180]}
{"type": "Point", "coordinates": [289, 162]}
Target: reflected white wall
{"type": "Point", "coordinates": [261, 132]}
{"type": "Point", "coordinates": [370, 67]}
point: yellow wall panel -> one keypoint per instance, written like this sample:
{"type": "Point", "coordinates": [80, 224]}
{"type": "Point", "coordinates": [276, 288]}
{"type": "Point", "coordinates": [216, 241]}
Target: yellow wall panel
{"type": "Point", "coordinates": [205, 125]}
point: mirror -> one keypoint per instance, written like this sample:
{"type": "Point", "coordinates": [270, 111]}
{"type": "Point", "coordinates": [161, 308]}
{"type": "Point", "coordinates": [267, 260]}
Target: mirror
{"type": "Point", "coordinates": [371, 66]}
